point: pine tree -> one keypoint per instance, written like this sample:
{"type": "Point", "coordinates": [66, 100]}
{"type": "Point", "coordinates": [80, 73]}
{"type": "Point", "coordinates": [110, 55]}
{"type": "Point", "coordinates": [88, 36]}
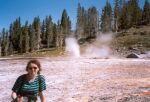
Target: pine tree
{"type": "Point", "coordinates": [49, 31]}
{"type": "Point", "coordinates": [37, 27]}
{"type": "Point", "coordinates": [43, 36]}
{"type": "Point", "coordinates": [65, 27]}
{"type": "Point", "coordinates": [65, 23]}
{"type": "Point", "coordinates": [106, 19]}
{"type": "Point", "coordinates": [80, 22]}
{"type": "Point", "coordinates": [85, 24]}
{"type": "Point", "coordinates": [6, 43]}
{"type": "Point", "coordinates": [10, 49]}
{"type": "Point", "coordinates": [32, 37]}
{"type": "Point", "coordinates": [10, 39]}
{"type": "Point", "coordinates": [3, 42]}
{"type": "Point", "coordinates": [116, 15]}
{"type": "Point", "coordinates": [146, 13]}
{"type": "Point", "coordinates": [21, 38]}
{"type": "Point", "coordinates": [26, 38]}
{"type": "Point", "coordinates": [59, 36]}
{"type": "Point", "coordinates": [123, 19]}
{"type": "Point", "coordinates": [92, 22]}
{"type": "Point", "coordinates": [54, 34]}
{"type": "Point", "coordinates": [134, 13]}
{"type": "Point", "coordinates": [69, 26]}
{"type": "Point", "coordinates": [16, 33]}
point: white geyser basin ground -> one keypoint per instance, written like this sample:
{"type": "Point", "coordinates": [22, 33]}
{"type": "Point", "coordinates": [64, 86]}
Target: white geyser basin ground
{"type": "Point", "coordinates": [83, 79]}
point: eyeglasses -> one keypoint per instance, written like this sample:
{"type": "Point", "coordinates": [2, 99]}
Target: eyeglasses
{"type": "Point", "coordinates": [33, 68]}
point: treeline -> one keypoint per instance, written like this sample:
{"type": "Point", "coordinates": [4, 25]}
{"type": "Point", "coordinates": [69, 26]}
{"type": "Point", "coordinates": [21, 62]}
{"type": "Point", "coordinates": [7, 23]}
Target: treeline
{"type": "Point", "coordinates": [47, 34]}
{"type": "Point", "coordinates": [31, 37]}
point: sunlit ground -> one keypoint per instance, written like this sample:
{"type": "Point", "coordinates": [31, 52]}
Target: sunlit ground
{"type": "Point", "coordinates": [84, 79]}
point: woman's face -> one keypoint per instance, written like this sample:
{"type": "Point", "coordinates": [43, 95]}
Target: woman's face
{"type": "Point", "coordinates": [32, 69]}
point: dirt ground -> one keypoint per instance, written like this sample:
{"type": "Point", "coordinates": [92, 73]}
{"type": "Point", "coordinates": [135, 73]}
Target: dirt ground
{"type": "Point", "coordinates": [84, 79]}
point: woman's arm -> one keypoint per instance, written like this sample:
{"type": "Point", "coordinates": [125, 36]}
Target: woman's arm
{"type": "Point", "coordinates": [13, 95]}
{"type": "Point", "coordinates": [42, 96]}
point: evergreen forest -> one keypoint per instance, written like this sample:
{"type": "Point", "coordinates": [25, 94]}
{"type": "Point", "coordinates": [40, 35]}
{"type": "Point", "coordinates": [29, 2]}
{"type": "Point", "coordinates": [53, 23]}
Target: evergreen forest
{"type": "Point", "coordinates": [44, 34]}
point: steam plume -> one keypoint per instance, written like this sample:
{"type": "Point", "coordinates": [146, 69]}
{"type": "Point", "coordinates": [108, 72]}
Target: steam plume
{"type": "Point", "coordinates": [100, 48]}
{"type": "Point", "coordinates": [72, 47]}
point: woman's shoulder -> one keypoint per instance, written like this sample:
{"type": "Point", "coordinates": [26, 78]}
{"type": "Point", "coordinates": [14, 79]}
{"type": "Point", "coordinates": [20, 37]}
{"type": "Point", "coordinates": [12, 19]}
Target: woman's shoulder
{"type": "Point", "coordinates": [41, 77]}
{"type": "Point", "coordinates": [22, 76]}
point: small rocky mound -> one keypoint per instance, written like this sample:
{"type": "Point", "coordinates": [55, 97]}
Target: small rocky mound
{"type": "Point", "coordinates": [130, 98]}
{"type": "Point", "coordinates": [132, 55]}
{"type": "Point", "coordinates": [135, 99]}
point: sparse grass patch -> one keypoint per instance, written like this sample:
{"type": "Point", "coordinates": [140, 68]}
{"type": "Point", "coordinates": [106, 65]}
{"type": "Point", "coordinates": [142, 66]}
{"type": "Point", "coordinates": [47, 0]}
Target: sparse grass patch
{"type": "Point", "coordinates": [50, 52]}
{"type": "Point", "coordinates": [132, 40]}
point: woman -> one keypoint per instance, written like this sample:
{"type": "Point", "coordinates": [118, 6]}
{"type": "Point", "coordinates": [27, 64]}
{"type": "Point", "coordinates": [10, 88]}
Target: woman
{"type": "Point", "coordinates": [28, 86]}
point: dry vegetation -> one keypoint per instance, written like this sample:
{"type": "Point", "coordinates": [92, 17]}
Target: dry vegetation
{"type": "Point", "coordinates": [133, 40]}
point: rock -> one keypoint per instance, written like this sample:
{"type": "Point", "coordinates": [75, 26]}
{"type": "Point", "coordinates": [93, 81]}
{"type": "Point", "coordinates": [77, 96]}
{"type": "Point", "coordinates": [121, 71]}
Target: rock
{"type": "Point", "coordinates": [135, 99]}
{"type": "Point", "coordinates": [132, 55]}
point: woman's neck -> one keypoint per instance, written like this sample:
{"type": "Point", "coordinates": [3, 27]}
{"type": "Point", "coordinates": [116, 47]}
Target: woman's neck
{"type": "Point", "coordinates": [31, 77]}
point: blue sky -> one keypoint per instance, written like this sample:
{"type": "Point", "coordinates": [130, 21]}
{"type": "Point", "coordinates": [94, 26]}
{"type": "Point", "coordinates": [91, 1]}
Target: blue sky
{"type": "Point", "coordinates": [28, 9]}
